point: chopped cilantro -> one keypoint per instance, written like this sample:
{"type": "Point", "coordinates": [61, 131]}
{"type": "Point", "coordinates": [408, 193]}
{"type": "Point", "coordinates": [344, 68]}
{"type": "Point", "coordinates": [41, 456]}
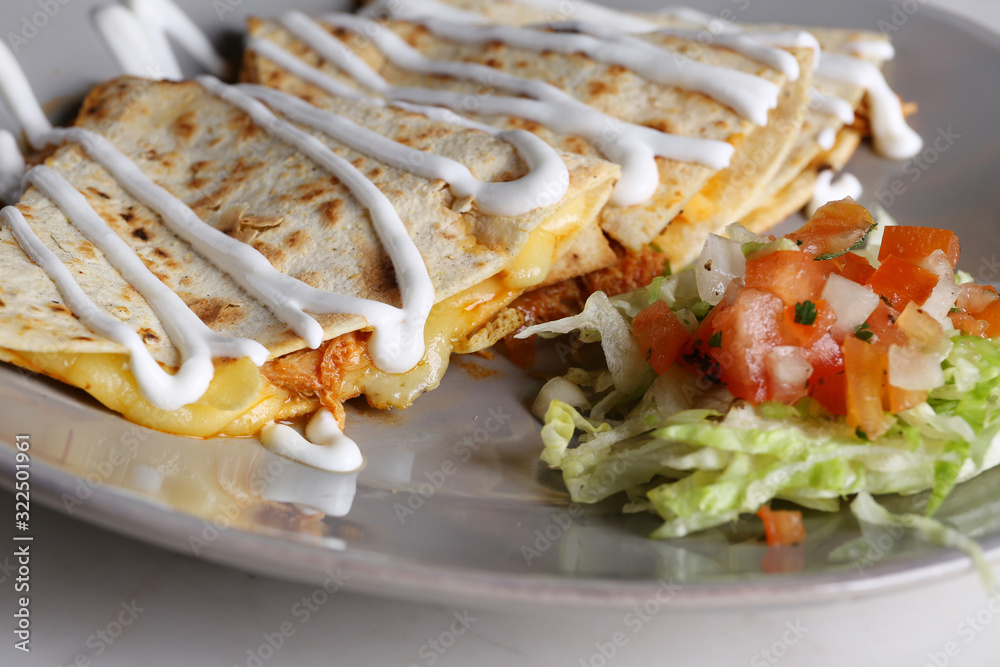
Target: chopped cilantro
{"type": "Point", "coordinates": [864, 332]}
{"type": "Point", "coordinates": [715, 340]}
{"type": "Point", "coordinates": [805, 313]}
{"type": "Point", "coordinates": [667, 271]}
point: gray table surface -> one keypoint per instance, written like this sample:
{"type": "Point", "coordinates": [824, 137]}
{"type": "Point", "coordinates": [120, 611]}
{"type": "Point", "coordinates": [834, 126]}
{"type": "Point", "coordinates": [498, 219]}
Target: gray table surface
{"type": "Point", "coordinates": [101, 599]}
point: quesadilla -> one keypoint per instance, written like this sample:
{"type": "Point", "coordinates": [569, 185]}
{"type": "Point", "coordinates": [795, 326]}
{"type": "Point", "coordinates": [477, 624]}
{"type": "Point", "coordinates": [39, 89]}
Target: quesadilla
{"type": "Point", "coordinates": [240, 225]}
{"type": "Point", "coordinates": [761, 187]}
{"type": "Point", "coordinates": [667, 120]}
{"type": "Point", "coordinates": [823, 132]}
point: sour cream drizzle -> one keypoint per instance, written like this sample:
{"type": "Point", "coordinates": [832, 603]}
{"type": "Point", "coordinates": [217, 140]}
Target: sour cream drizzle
{"type": "Point", "coordinates": [136, 34]}
{"type": "Point", "coordinates": [632, 146]}
{"type": "Point", "coordinates": [546, 182]}
{"type": "Point", "coordinates": [397, 344]}
{"type": "Point", "coordinates": [307, 72]}
{"type": "Point", "coordinates": [11, 167]}
{"type": "Point", "coordinates": [196, 343]}
{"type": "Point", "coordinates": [831, 106]}
{"type": "Point", "coordinates": [749, 95]}
{"type": "Point", "coordinates": [324, 446]}
{"type": "Point", "coordinates": [893, 137]}
{"type": "Point", "coordinates": [830, 189]}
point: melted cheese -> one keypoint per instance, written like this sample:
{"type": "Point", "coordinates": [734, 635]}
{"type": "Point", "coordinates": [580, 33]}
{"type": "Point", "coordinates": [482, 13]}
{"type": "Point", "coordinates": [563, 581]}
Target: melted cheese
{"type": "Point", "coordinates": [240, 401]}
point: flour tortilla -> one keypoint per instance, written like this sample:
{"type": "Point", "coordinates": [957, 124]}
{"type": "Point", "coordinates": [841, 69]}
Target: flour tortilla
{"type": "Point", "coordinates": [245, 182]}
{"type": "Point", "coordinates": [778, 192]}
{"type": "Point", "coordinates": [613, 90]}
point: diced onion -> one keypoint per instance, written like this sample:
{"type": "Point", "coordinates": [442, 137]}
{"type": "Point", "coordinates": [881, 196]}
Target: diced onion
{"type": "Point", "coordinates": [720, 263]}
{"type": "Point", "coordinates": [852, 303]}
{"type": "Point", "coordinates": [558, 389]}
{"type": "Point", "coordinates": [946, 292]}
{"type": "Point", "coordinates": [919, 326]}
{"type": "Point", "coordinates": [787, 365]}
{"type": "Point", "coordinates": [914, 370]}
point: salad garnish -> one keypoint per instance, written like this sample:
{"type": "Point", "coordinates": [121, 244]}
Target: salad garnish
{"type": "Point", "coordinates": [803, 370]}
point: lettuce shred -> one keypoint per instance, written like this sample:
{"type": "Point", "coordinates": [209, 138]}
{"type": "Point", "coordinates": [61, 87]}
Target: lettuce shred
{"type": "Point", "coordinates": [687, 450]}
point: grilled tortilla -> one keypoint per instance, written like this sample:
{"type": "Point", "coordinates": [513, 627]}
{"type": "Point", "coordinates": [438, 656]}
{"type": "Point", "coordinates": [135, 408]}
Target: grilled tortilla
{"type": "Point", "coordinates": [242, 180]}
{"type": "Point", "coordinates": [611, 89]}
{"type": "Point", "coordinates": [775, 179]}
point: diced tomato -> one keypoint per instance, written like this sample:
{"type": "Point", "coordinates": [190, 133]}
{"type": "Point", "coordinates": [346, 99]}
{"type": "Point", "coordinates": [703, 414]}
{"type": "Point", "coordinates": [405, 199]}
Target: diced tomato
{"type": "Point", "coordinates": [751, 328]}
{"type": "Point", "coordinates": [788, 374]}
{"type": "Point", "coordinates": [902, 282]}
{"type": "Point", "coordinates": [834, 229]}
{"type": "Point", "coordinates": [903, 399]}
{"type": "Point", "coordinates": [969, 325]}
{"type": "Point", "coordinates": [782, 527]}
{"type": "Point", "coordinates": [882, 323]}
{"type": "Point", "coordinates": [849, 265]}
{"type": "Point", "coordinates": [975, 298]}
{"type": "Point", "coordinates": [790, 275]}
{"type": "Point", "coordinates": [830, 391]}
{"type": "Point", "coordinates": [915, 243]}
{"type": "Point", "coordinates": [991, 315]}
{"type": "Point", "coordinates": [826, 357]}
{"type": "Point", "coordinates": [865, 370]}
{"type": "Point", "coordinates": [660, 335]}
{"type": "Point", "coordinates": [805, 335]}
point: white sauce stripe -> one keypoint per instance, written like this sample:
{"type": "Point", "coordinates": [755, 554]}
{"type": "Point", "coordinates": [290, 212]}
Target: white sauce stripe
{"type": "Point", "coordinates": [305, 71]}
{"type": "Point", "coordinates": [893, 137]}
{"type": "Point", "coordinates": [632, 146]}
{"type": "Point", "coordinates": [137, 36]}
{"type": "Point", "coordinates": [196, 343]}
{"type": "Point", "coordinates": [133, 46]}
{"type": "Point", "coordinates": [327, 448]}
{"type": "Point", "coordinates": [749, 95]}
{"type": "Point", "coordinates": [11, 168]}
{"type": "Point", "coordinates": [21, 100]}
{"type": "Point", "coordinates": [547, 180]}
{"type": "Point", "coordinates": [588, 12]}
{"type": "Point", "coordinates": [831, 105]}
{"type": "Point", "coordinates": [749, 46]}
{"type": "Point", "coordinates": [830, 189]}
{"type": "Point", "coordinates": [871, 49]}
{"type": "Point", "coordinates": [827, 138]}
{"type": "Point", "coordinates": [380, 10]}
{"type": "Point", "coordinates": [156, 384]}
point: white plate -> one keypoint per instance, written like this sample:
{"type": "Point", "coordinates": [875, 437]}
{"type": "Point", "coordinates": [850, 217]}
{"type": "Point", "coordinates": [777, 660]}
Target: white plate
{"type": "Point", "coordinates": [453, 504]}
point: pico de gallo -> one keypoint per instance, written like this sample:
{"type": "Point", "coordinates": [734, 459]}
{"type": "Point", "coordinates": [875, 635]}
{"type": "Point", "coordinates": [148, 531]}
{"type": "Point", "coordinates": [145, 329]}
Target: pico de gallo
{"type": "Point", "coordinates": [843, 359]}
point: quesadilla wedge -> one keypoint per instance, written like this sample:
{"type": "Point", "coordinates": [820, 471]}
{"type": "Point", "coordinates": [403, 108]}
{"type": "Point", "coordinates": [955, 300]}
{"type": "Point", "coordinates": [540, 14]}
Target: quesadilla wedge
{"type": "Point", "coordinates": [185, 225]}
{"type": "Point", "coordinates": [666, 120]}
{"type": "Point", "coordinates": [842, 87]}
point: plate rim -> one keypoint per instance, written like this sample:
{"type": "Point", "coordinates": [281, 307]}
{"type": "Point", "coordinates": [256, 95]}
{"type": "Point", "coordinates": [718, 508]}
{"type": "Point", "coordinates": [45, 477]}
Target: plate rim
{"type": "Point", "coordinates": [109, 506]}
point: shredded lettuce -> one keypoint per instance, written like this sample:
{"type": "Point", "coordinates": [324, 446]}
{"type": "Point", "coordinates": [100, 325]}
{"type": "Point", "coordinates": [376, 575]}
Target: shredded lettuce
{"type": "Point", "coordinates": [629, 369]}
{"type": "Point", "coordinates": [686, 449]}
